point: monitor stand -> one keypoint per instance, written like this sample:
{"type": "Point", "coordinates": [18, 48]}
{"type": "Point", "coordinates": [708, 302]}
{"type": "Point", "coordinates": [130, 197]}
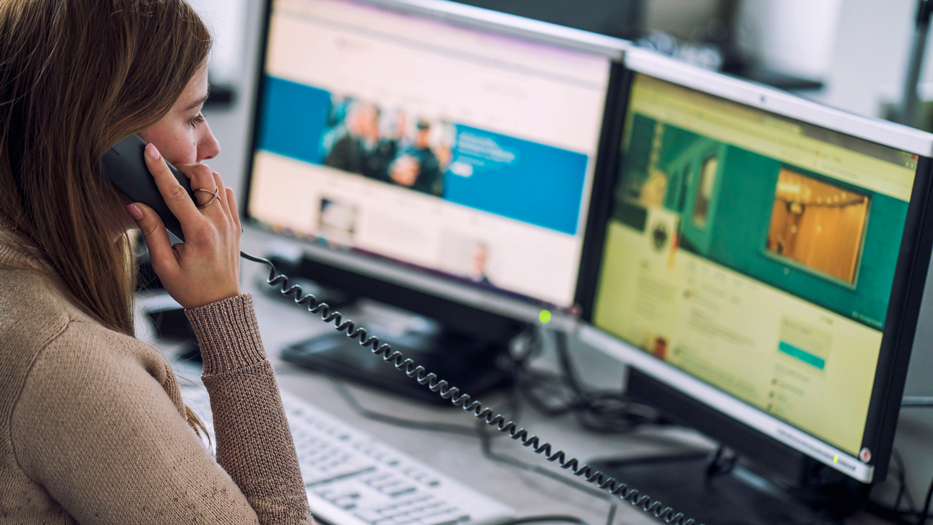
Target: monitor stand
{"type": "Point", "coordinates": [470, 364]}
{"type": "Point", "coordinates": [713, 492]}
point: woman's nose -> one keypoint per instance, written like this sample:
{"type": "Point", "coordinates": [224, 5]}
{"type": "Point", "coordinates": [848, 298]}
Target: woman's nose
{"type": "Point", "coordinates": [208, 147]}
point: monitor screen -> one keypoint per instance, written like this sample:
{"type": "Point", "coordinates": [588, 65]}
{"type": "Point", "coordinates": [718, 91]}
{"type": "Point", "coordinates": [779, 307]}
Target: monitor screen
{"type": "Point", "coordinates": [452, 151]}
{"type": "Point", "coordinates": [756, 253]}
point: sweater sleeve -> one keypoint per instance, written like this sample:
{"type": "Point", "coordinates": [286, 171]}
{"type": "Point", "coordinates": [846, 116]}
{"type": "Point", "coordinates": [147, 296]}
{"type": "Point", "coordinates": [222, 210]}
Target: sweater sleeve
{"type": "Point", "coordinates": [254, 444]}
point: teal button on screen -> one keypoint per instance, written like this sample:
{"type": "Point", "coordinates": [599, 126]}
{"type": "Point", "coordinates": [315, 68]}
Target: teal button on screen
{"type": "Point", "coordinates": [802, 355]}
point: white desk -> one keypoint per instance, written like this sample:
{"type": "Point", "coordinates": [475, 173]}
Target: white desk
{"type": "Point", "coordinates": [458, 456]}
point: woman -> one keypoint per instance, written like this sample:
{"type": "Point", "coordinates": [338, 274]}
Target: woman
{"type": "Point", "coordinates": [92, 425]}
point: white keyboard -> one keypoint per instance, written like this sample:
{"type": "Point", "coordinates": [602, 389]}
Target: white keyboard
{"type": "Point", "coordinates": [355, 479]}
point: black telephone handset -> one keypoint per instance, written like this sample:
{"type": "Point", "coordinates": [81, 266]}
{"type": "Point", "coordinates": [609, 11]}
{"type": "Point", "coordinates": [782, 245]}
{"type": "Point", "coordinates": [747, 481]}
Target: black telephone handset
{"type": "Point", "coordinates": [125, 166]}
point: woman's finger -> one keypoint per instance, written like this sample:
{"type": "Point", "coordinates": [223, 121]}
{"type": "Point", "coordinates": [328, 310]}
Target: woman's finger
{"type": "Point", "coordinates": [222, 191]}
{"type": "Point", "coordinates": [234, 209]}
{"type": "Point", "coordinates": [161, 254]}
{"type": "Point", "coordinates": [201, 179]}
{"type": "Point", "coordinates": [176, 198]}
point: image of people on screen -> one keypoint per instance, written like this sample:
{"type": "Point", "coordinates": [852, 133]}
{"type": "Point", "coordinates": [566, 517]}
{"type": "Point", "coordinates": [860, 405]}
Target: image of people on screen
{"type": "Point", "coordinates": [355, 143]}
{"type": "Point", "coordinates": [386, 145]}
{"type": "Point", "coordinates": [418, 167]}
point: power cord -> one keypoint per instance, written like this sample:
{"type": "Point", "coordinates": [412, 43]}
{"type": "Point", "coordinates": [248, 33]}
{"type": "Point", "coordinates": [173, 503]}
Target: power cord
{"type": "Point", "coordinates": [603, 411]}
{"type": "Point", "coordinates": [539, 519]}
{"type": "Point", "coordinates": [894, 512]}
{"type": "Point", "coordinates": [486, 447]}
{"type": "Point", "coordinates": [902, 492]}
{"type": "Point", "coordinates": [924, 512]}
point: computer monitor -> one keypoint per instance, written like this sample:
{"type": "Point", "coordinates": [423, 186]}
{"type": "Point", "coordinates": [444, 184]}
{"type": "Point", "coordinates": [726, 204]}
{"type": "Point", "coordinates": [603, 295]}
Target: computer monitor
{"type": "Point", "coordinates": [759, 262]}
{"type": "Point", "coordinates": [433, 156]}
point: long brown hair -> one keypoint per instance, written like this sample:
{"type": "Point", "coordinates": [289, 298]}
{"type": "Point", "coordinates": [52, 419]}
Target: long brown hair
{"type": "Point", "coordinates": [76, 76]}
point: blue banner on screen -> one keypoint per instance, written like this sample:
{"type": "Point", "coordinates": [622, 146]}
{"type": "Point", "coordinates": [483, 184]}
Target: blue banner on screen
{"type": "Point", "coordinates": [293, 120]}
{"type": "Point", "coordinates": [516, 178]}
{"type": "Point", "coordinates": [507, 176]}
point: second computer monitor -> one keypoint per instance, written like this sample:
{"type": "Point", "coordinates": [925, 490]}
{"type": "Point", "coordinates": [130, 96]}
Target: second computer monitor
{"type": "Point", "coordinates": [763, 253]}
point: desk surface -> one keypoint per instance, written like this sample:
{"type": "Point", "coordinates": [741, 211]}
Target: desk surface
{"type": "Point", "coordinates": [459, 456]}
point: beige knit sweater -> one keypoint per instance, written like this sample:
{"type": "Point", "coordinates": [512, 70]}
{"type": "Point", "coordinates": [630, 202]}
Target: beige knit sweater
{"type": "Point", "coordinates": [92, 425]}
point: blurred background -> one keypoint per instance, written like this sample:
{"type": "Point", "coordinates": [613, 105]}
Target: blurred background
{"type": "Point", "coordinates": [850, 54]}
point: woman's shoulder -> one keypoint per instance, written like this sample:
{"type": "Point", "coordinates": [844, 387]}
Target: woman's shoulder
{"type": "Point", "coordinates": [40, 329]}
{"type": "Point", "coordinates": [31, 311]}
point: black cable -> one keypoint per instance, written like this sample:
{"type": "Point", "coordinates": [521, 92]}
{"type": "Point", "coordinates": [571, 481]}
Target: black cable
{"type": "Point", "coordinates": [902, 487]}
{"type": "Point", "coordinates": [563, 355]}
{"type": "Point", "coordinates": [521, 384]}
{"type": "Point", "coordinates": [538, 519]}
{"type": "Point", "coordinates": [894, 512]}
{"type": "Point", "coordinates": [608, 412]}
{"type": "Point", "coordinates": [924, 513]}
{"type": "Point", "coordinates": [903, 493]}
{"type": "Point", "coordinates": [896, 515]}
{"type": "Point", "coordinates": [486, 447]}
{"type": "Point", "coordinates": [555, 395]}
{"type": "Point", "coordinates": [889, 514]}
{"type": "Point", "coordinates": [548, 393]}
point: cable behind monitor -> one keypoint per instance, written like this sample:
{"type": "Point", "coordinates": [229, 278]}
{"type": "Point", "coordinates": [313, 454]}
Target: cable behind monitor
{"type": "Point", "coordinates": [465, 401]}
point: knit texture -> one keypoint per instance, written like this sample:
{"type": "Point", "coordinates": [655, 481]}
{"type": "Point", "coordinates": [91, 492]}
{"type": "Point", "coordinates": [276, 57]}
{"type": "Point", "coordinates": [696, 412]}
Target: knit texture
{"type": "Point", "coordinates": [92, 424]}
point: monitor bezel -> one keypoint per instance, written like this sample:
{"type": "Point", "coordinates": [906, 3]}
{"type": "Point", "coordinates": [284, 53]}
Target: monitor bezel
{"type": "Point", "coordinates": [782, 451]}
{"type": "Point", "coordinates": [470, 308]}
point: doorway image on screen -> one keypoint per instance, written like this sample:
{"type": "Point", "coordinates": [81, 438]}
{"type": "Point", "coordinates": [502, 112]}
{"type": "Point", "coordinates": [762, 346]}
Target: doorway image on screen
{"type": "Point", "coordinates": [818, 225]}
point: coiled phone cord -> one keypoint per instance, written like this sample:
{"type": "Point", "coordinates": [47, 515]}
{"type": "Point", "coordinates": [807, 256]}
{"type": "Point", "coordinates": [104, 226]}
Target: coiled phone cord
{"type": "Point", "coordinates": [465, 401]}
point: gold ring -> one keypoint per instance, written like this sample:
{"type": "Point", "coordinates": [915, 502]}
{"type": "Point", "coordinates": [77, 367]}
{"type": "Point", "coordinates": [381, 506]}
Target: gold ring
{"type": "Point", "coordinates": [214, 193]}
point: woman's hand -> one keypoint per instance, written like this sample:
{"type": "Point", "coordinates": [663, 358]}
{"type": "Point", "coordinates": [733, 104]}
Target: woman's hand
{"type": "Point", "coordinates": [206, 267]}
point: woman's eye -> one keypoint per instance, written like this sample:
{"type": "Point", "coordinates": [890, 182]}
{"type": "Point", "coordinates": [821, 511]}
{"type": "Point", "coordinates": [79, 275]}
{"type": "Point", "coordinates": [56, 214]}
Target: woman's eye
{"type": "Point", "coordinates": [199, 118]}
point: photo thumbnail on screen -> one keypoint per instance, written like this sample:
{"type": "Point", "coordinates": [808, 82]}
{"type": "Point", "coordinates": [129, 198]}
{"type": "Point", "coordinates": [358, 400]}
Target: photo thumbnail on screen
{"type": "Point", "coordinates": [387, 145]}
{"type": "Point", "coordinates": [337, 221]}
{"type": "Point", "coordinates": [818, 225]}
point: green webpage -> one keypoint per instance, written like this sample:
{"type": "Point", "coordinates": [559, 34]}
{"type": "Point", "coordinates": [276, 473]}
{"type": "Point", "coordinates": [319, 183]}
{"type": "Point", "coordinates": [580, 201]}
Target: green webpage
{"type": "Point", "coordinates": [756, 253]}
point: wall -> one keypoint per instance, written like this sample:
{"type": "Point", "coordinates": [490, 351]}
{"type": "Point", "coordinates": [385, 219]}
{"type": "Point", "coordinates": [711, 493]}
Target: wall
{"type": "Point", "coordinates": [870, 54]}
{"type": "Point", "coordinates": [792, 36]}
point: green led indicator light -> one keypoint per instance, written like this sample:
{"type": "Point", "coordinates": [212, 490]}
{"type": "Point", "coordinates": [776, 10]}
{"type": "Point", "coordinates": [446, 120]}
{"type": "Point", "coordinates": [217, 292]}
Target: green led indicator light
{"type": "Point", "coordinates": [835, 459]}
{"type": "Point", "coordinates": [544, 316]}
